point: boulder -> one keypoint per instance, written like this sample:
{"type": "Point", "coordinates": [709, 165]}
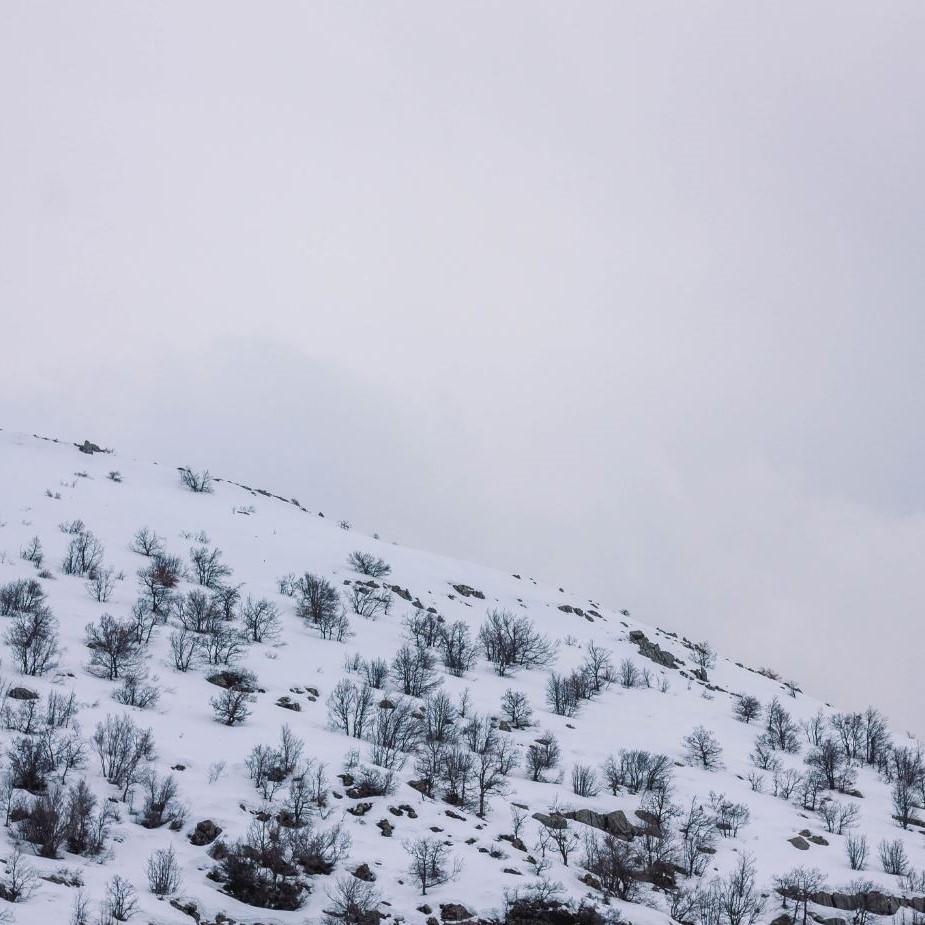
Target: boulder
{"type": "Point", "coordinates": [614, 823]}
{"type": "Point", "coordinates": [205, 833]}
{"type": "Point", "coordinates": [454, 912]}
{"type": "Point", "coordinates": [799, 842]}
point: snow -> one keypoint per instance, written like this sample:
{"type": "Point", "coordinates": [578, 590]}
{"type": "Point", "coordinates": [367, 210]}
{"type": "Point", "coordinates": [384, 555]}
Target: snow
{"type": "Point", "coordinates": [263, 538]}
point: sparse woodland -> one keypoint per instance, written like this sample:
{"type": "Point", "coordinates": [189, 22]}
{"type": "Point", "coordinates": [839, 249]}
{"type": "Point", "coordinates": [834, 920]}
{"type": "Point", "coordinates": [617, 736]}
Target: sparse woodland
{"type": "Point", "coordinates": [216, 702]}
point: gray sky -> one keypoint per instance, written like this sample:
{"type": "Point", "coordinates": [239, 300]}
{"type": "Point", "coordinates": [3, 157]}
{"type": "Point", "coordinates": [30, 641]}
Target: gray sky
{"type": "Point", "coordinates": [628, 297]}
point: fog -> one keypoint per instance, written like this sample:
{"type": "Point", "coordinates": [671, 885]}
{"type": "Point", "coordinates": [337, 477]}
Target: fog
{"type": "Point", "coordinates": [627, 297]}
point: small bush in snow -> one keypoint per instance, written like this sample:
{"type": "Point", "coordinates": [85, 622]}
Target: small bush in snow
{"type": "Point", "coordinates": [367, 564]}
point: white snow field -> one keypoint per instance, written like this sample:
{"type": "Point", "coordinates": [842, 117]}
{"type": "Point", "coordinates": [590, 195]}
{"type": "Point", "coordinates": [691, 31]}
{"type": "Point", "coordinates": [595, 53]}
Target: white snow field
{"type": "Point", "coordinates": [45, 484]}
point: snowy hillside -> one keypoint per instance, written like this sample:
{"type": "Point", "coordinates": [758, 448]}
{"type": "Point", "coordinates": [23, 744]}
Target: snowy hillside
{"type": "Point", "coordinates": [535, 748]}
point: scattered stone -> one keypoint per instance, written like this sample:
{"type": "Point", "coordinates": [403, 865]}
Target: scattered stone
{"type": "Point", "coordinates": [385, 827]}
{"type": "Point", "coordinates": [287, 703]}
{"type": "Point", "coordinates": [361, 809]}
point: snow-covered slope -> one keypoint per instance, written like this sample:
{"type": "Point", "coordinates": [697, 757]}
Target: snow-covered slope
{"type": "Point", "coordinates": [45, 484]}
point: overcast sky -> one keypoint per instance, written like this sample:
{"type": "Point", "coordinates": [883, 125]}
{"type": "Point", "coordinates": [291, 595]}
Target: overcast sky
{"type": "Point", "coordinates": [627, 297]}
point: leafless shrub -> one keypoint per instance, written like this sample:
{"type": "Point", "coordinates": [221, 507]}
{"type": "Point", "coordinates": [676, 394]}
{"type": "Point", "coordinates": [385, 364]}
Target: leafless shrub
{"type": "Point", "coordinates": [114, 647]}
{"type": "Point", "coordinates": [746, 708]}
{"type": "Point", "coordinates": [413, 671]}
{"type": "Point", "coordinates": [369, 602]}
{"type": "Point", "coordinates": [232, 707]}
{"type": "Point", "coordinates": [24, 595]}
{"type": "Point", "coordinates": [163, 872]}
{"type": "Point", "coordinates": [511, 642]}
{"type": "Point", "coordinates": [197, 482]}
{"type": "Point", "coordinates": [134, 692]}
{"type": "Point", "coordinates": [207, 566]}
{"type": "Point", "coordinates": [352, 901]}
{"type": "Point", "coordinates": [368, 564]}
{"type": "Point", "coordinates": [33, 639]}
{"type": "Point", "coordinates": [123, 750]}
{"type": "Point", "coordinates": [185, 646]}
{"type": "Point", "coordinates": [261, 620]}
{"type": "Point", "coordinates": [431, 863]}
{"type": "Point", "coordinates": [100, 585]}
{"type": "Point", "coordinates": [32, 552]}
{"type": "Point", "coordinates": [856, 851]}
{"type": "Point", "coordinates": [84, 555]}
{"type": "Point", "coordinates": [121, 900]}
{"type": "Point", "coordinates": [456, 648]}
{"type": "Point", "coordinates": [516, 709]}
{"type": "Point", "coordinates": [584, 781]}
{"type": "Point", "coordinates": [893, 857]}
{"type": "Point", "coordinates": [147, 543]}
{"type": "Point", "coordinates": [542, 755]}
{"type": "Point", "coordinates": [703, 748]}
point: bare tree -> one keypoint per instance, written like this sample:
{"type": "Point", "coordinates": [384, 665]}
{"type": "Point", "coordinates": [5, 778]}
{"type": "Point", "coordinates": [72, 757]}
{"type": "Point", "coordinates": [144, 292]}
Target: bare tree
{"type": "Point", "coordinates": [207, 566]}
{"type": "Point", "coordinates": [494, 757]}
{"type": "Point", "coordinates": [704, 655]}
{"type": "Point", "coordinates": [697, 840]}
{"type": "Point", "coordinates": [516, 708]}
{"type": "Point", "coordinates": [197, 482]}
{"type": "Point", "coordinates": [394, 731]}
{"type": "Point", "coordinates": [782, 732]}
{"type": "Point", "coordinates": [33, 639]}
{"type": "Point", "coordinates": [32, 552]}
{"type": "Point", "coordinates": [21, 879]}
{"type": "Point", "coordinates": [350, 708]}
{"type": "Point", "coordinates": [368, 564]}
{"type": "Point", "coordinates": [456, 648]}
{"type": "Point", "coordinates": [746, 708]}
{"type": "Point", "coordinates": [114, 647]}
{"type": "Point", "coordinates": [232, 707]}
{"type": "Point", "coordinates": [317, 598]}
{"type": "Point", "coordinates": [84, 555]}
{"type": "Point", "coordinates": [368, 602]}
{"type": "Point", "coordinates": [185, 646]}
{"type": "Point", "coordinates": [542, 755]}
{"type": "Point", "coordinates": [100, 586]}
{"type": "Point", "coordinates": [561, 694]}
{"type": "Point", "coordinates": [163, 872]}
{"type": "Point", "coordinates": [893, 857]}
{"type": "Point", "coordinates": [598, 667]}
{"type": "Point", "coordinates": [261, 620]}
{"type": "Point", "coordinates": [414, 672]}
{"type": "Point", "coordinates": [352, 902]}
{"type": "Point", "coordinates": [511, 642]}
{"type": "Point", "coordinates": [584, 781]}
{"type": "Point", "coordinates": [123, 750]}
{"type": "Point", "coordinates": [703, 748]}
{"type": "Point", "coordinates": [147, 543]}
{"type": "Point", "coordinates": [431, 863]}
{"type": "Point", "coordinates": [856, 851]}
{"type": "Point", "coordinates": [24, 595]}
{"type": "Point", "coordinates": [121, 900]}
{"type": "Point", "coordinates": [615, 862]}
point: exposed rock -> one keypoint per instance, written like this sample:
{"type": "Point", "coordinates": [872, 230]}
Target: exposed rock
{"type": "Point", "coordinates": [22, 693]}
{"type": "Point", "coordinates": [364, 873]}
{"type": "Point", "coordinates": [454, 912]}
{"type": "Point", "coordinates": [385, 827]}
{"type": "Point", "coordinates": [782, 920]}
{"type": "Point", "coordinates": [551, 822]}
{"type": "Point", "coordinates": [818, 840]}
{"type": "Point", "coordinates": [466, 591]}
{"type": "Point", "coordinates": [287, 703]}
{"type": "Point", "coordinates": [799, 842]}
{"type": "Point", "coordinates": [361, 809]}
{"type": "Point", "coordinates": [425, 909]}
{"type": "Point", "coordinates": [205, 833]}
{"type": "Point", "coordinates": [614, 823]}
{"type": "Point", "coordinates": [652, 651]}
{"type": "Point", "coordinates": [88, 448]}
